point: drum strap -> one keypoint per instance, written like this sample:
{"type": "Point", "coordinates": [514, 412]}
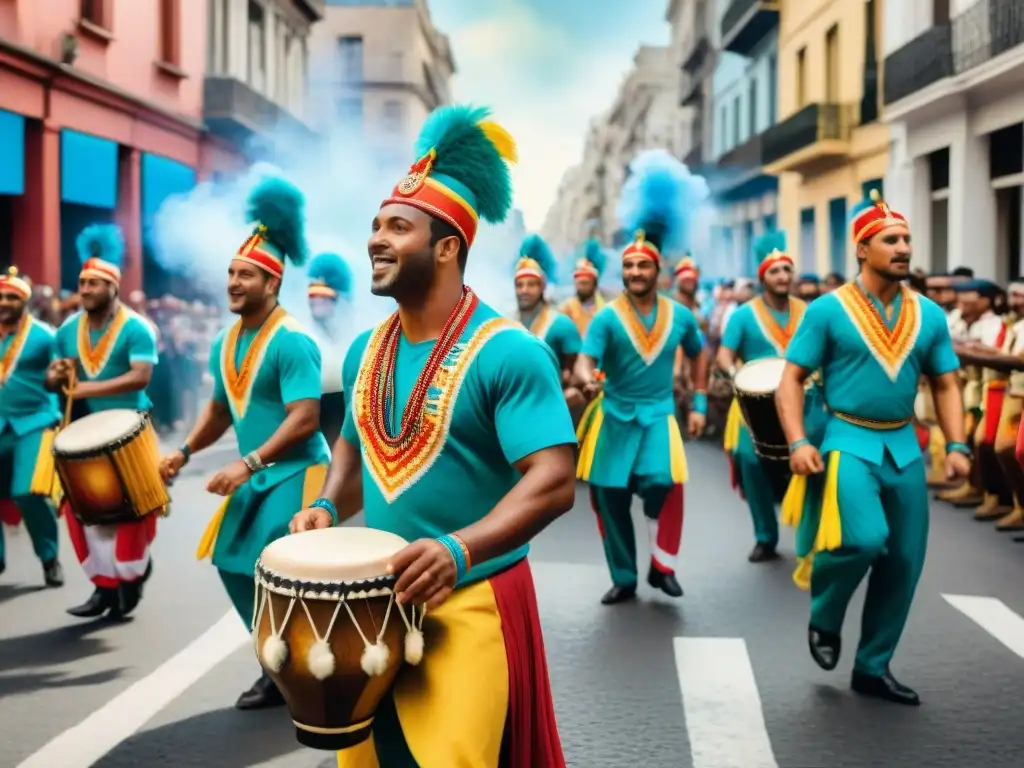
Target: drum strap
{"type": "Point", "coordinates": [871, 423]}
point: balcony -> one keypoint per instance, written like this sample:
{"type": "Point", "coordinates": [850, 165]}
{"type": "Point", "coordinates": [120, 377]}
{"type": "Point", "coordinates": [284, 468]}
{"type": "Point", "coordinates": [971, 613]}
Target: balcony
{"type": "Point", "coordinates": [926, 59]}
{"type": "Point", "coordinates": [692, 91]}
{"type": "Point", "coordinates": [746, 23]}
{"type": "Point", "coordinates": [812, 139]}
{"type": "Point", "coordinates": [311, 9]}
{"type": "Point", "coordinates": [739, 173]}
{"type": "Point", "coordinates": [695, 157]}
{"type": "Point", "coordinates": [985, 30]}
{"type": "Point", "coordinates": [239, 114]}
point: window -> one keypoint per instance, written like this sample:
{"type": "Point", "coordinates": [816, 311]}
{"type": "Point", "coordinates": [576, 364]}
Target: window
{"type": "Point", "coordinates": [801, 78]}
{"type": "Point", "coordinates": [832, 65]}
{"type": "Point", "coordinates": [808, 261]}
{"type": "Point", "coordinates": [736, 109]}
{"type": "Point", "coordinates": [752, 109]}
{"type": "Point", "coordinates": [93, 11]}
{"type": "Point", "coordinates": [837, 235]}
{"type": "Point", "coordinates": [257, 47]}
{"type": "Point", "coordinates": [773, 85]}
{"type": "Point", "coordinates": [940, 12]}
{"type": "Point", "coordinates": [350, 112]}
{"type": "Point", "coordinates": [723, 131]}
{"type": "Point", "coordinates": [393, 117]}
{"type": "Point", "coordinates": [350, 53]}
{"type": "Point", "coordinates": [170, 32]}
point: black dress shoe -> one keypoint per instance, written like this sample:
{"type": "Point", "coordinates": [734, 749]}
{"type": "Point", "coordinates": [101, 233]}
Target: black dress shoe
{"type": "Point", "coordinates": [3, 567]}
{"type": "Point", "coordinates": [762, 553]}
{"type": "Point", "coordinates": [666, 582]}
{"type": "Point", "coordinates": [884, 687]}
{"type": "Point", "coordinates": [618, 595]}
{"type": "Point", "coordinates": [262, 695]}
{"type": "Point", "coordinates": [129, 596]}
{"type": "Point", "coordinates": [101, 601]}
{"type": "Point", "coordinates": [53, 574]}
{"type": "Point", "coordinates": [825, 647]}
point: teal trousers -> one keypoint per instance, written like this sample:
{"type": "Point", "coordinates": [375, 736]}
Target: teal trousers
{"type": "Point", "coordinates": [18, 457]}
{"type": "Point", "coordinates": [758, 490]}
{"type": "Point", "coordinates": [241, 592]}
{"type": "Point", "coordinates": [612, 506]}
{"type": "Point", "coordinates": [884, 514]}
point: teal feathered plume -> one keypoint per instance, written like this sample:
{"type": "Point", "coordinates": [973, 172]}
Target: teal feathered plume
{"type": "Point", "coordinates": [661, 197]}
{"type": "Point", "coordinates": [333, 271]}
{"type": "Point", "coordinates": [768, 242]}
{"type": "Point", "coordinates": [473, 151]}
{"type": "Point", "coordinates": [536, 248]}
{"type": "Point", "coordinates": [280, 207]}
{"type": "Point", "coordinates": [101, 241]}
{"type": "Point", "coordinates": [594, 253]}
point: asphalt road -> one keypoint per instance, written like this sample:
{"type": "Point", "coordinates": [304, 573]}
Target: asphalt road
{"type": "Point", "coordinates": [719, 679]}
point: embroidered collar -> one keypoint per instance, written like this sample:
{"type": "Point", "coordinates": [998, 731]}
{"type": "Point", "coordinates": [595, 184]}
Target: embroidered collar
{"type": "Point", "coordinates": [778, 335]}
{"type": "Point", "coordinates": [647, 343]}
{"type": "Point", "coordinates": [14, 348]}
{"type": "Point", "coordinates": [889, 347]}
{"type": "Point", "coordinates": [94, 358]}
{"type": "Point", "coordinates": [239, 379]}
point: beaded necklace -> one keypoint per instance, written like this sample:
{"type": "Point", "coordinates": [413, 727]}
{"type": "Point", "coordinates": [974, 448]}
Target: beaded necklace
{"type": "Point", "coordinates": [382, 380]}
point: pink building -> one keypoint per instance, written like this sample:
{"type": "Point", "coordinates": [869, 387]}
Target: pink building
{"type": "Point", "coordinates": [101, 119]}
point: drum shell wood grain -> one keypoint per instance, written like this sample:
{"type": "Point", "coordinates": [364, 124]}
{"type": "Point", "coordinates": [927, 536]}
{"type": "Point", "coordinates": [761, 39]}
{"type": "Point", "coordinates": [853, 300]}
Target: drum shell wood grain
{"type": "Point", "coordinates": [762, 420]}
{"type": "Point", "coordinates": [347, 697]}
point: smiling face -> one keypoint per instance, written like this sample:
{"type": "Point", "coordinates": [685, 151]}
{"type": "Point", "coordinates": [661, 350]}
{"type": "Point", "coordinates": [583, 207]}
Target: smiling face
{"type": "Point", "coordinates": [887, 253]}
{"type": "Point", "coordinates": [96, 294]}
{"type": "Point", "coordinates": [778, 279]}
{"type": "Point", "coordinates": [401, 254]}
{"type": "Point", "coordinates": [639, 276]}
{"type": "Point", "coordinates": [12, 306]}
{"type": "Point", "coordinates": [249, 287]}
{"type": "Point", "coordinates": [529, 292]}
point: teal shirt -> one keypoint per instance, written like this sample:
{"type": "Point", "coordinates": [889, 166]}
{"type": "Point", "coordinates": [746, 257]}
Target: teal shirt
{"type": "Point", "coordinates": [557, 331]}
{"type": "Point", "coordinates": [637, 354]}
{"type": "Point", "coordinates": [287, 370]}
{"type": "Point", "coordinates": [870, 379]}
{"type": "Point", "coordinates": [135, 343]}
{"type": "Point", "coordinates": [496, 400]}
{"type": "Point", "coordinates": [25, 405]}
{"type": "Point", "coordinates": [756, 331]}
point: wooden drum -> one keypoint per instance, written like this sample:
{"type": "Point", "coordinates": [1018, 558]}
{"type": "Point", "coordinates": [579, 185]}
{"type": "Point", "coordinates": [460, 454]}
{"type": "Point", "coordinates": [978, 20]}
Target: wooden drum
{"type": "Point", "coordinates": [328, 631]}
{"type": "Point", "coordinates": [109, 467]}
{"type": "Point", "coordinates": [756, 383]}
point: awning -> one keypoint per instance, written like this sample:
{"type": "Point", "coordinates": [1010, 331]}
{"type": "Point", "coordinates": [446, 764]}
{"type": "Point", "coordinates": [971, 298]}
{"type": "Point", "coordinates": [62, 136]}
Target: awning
{"type": "Point", "coordinates": [12, 159]}
{"type": "Point", "coordinates": [162, 178]}
{"type": "Point", "coordinates": [88, 170]}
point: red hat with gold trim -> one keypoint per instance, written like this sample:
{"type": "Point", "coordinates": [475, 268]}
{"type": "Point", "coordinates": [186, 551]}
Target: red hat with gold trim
{"type": "Point", "coordinates": [536, 259]}
{"type": "Point", "coordinates": [277, 209]}
{"type": "Point", "coordinates": [769, 250]}
{"type": "Point", "coordinates": [593, 261]}
{"type": "Point", "coordinates": [101, 250]}
{"type": "Point", "coordinates": [871, 216]}
{"type": "Point", "coordinates": [19, 285]}
{"type": "Point", "coordinates": [462, 173]}
{"type": "Point", "coordinates": [687, 268]}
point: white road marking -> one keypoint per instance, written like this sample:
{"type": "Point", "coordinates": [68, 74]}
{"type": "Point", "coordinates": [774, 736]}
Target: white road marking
{"type": "Point", "coordinates": [86, 743]}
{"type": "Point", "coordinates": [995, 617]}
{"type": "Point", "coordinates": [722, 704]}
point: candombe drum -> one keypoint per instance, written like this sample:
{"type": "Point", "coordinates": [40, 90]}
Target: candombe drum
{"type": "Point", "coordinates": [328, 631]}
{"type": "Point", "coordinates": [109, 467]}
{"type": "Point", "coordinates": [756, 383]}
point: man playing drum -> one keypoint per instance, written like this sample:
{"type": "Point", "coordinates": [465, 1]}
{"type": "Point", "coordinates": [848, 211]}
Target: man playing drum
{"type": "Point", "coordinates": [630, 442]}
{"type": "Point", "coordinates": [459, 441]}
{"type": "Point", "coordinates": [106, 354]}
{"type": "Point", "coordinates": [266, 384]}
{"type": "Point", "coordinates": [872, 339]}
{"type": "Point", "coordinates": [760, 328]}
{"type": "Point", "coordinates": [27, 412]}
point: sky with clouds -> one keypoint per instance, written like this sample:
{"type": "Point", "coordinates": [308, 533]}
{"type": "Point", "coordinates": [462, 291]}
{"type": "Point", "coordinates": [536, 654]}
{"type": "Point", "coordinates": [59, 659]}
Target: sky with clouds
{"type": "Point", "coordinates": [546, 67]}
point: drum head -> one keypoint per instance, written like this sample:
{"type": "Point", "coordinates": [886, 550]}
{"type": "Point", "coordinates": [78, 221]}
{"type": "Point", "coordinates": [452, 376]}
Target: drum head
{"type": "Point", "coordinates": [97, 430]}
{"type": "Point", "coordinates": [760, 377]}
{"type": "Point", "coordinates": [332, 555]}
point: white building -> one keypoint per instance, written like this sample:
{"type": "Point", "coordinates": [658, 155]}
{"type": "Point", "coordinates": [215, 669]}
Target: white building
{"type": "Point", "coordinates": [693, 60]}
{"type": "Point", "coordinates": [952, 82]}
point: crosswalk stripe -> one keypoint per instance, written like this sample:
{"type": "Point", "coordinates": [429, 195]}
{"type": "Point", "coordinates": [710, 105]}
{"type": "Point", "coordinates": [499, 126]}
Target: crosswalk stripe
{"type": "Point", "coordinates": [994, 616]}
{"type": "Point", "coordinates": [721, 703]}
{"type": "Point", "coordinates": [84, 744]}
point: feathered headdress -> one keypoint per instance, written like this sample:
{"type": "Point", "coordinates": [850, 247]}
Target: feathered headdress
{"type": "Point", "coordinates": [593, 261]}
{"type": "Point", "coordinates": [278, 210]}
{"type": "Point", "coordinates": [871, 216]}
{"type": "Point", "coordinates": [329, 277]}
{"type": "Point", "coordinates": [687, 268]}
{"type": "Point", "coordinates": [769, 250]}
{"type": "Point", "coordinates": [19, 285]}
{"type": "Point", "coordinates": [658, 203]}
{"type": "Point", "coordinates": [536, 259]}
{"type": "Point", "coordinates": [462, 173]}
{"type": "Point", "coordinates": [101, 251]}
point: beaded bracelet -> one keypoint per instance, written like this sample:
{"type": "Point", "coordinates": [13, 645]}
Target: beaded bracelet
{"type": "Point", "coordinates": [460, 554]}
{"type": "Point", "coordinates": [958, 447]}
{"type": "Point", "coordinates": [326, 504]}
{"type": "Point", "coordinates": [799, 444]}
{"type": "Point", "coordinates": [700, 403]}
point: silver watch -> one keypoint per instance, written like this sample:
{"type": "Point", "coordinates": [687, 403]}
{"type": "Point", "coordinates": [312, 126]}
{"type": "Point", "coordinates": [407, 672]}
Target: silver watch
{"type": "Point", "coordinates": [254, 462]}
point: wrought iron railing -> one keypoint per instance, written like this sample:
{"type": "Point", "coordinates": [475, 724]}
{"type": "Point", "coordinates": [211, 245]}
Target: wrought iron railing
{"type": "Point", "coordinates": [926, 59]}
{"type": "Point", "coordinates": [813, 123]}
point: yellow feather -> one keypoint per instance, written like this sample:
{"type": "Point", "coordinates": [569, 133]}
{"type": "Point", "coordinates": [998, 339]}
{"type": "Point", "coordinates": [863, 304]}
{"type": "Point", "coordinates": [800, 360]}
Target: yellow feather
{"type": "Point", "coordinates": [501, 139]}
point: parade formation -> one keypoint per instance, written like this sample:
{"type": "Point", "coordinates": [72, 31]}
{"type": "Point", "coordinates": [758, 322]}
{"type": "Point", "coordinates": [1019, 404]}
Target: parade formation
{"type": "Point", "coordinates": [415, 638]}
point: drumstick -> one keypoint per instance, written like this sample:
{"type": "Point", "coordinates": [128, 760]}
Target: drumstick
{"type": "Point", "coordinates": [69, 391]}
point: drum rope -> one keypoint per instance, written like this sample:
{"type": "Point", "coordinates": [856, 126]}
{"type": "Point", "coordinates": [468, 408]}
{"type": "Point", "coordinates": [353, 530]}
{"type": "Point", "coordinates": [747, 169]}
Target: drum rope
{"type": "Point", "coordinates": [411, 625]}
{"type": "Point", "coordinates": [384, 626]}
{"type": "Point", "coordinates": [312, 624]}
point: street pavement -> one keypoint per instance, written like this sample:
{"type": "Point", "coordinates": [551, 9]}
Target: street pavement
{"type": "Point", "coordinates": [718, 679]}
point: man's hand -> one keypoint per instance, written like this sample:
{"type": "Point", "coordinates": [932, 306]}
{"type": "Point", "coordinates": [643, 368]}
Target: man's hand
{"type": "Point", "coordinates": [806, 460]}
{"type": "Point", "coordinates": [958, 466]}
{"type": "Point", "coordinates": [171, 465]}
{"type": "Point", "coordinates": [592, 388]}
{"type": "Point", "coordinates": [58, 373]}
{"type": "Point", "coordinates": [573, 397]}
{"type": "Point", "coordinates": [695, 423]}
{"type": "Point", "coordinates": [230, 479]}
{"type": "Point", "coordinates": [310, 520]}
{"type": "Point", "coordinates": [426, 573]}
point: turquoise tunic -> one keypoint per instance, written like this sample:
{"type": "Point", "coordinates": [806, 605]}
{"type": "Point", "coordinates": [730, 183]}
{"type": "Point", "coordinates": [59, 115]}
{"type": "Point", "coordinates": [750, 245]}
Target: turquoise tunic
{"type": "Point", "coordinates": [26, 411]}
{"type": "Point", "coordinates": [558, 331]}
{"type": "Point", "coordinates": [287, 369]}
{"type": "Point", "coordinates": [870, 511]}
{"type": "Point", "coordinates": [496, 400]}
{"type": "Point", "coordinates": [637, 433]}
{"type": "Point", "coordinates": [134, 343]}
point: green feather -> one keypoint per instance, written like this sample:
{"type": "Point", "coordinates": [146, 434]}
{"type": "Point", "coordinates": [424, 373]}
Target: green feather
{"type": "Point", "coordinates": [536, 248]}
{"type": "Point", "coordinates": [594, 253]}
{"type": "Point", "coordinates": [280, 207]}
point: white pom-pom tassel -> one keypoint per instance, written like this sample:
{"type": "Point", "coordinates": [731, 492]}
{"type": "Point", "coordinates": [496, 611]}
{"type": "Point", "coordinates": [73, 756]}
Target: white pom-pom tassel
{"type": "Point", "coordinates": [375, 659]}
{"type": "Point", "coordinates": [320, 660]}
{"type": "Point", "coordinates": [414, 646]}
{"type": "Point", "coordinates": [275, 651]}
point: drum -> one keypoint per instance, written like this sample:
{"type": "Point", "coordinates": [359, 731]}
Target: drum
{"type": "Point", "coordinates": [109, 467]}
{"type": "Point", "coordinates": [755, 384]}
{"type": "Point", "coordinates": [328, 631]}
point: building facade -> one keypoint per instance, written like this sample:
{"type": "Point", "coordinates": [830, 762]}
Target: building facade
{"type": "Point", "coordinates": [694, 51]}
{"type": "Point", "coordinates": [828, 147]}
{"type": "Point", "coordinates": [953, 75]}
{"type": "Point", "coordinates": [743, 107]}
{"type": "Point", "coordinates": [381, 67]}
{"type": "Point", "coordinates": [101, 119]}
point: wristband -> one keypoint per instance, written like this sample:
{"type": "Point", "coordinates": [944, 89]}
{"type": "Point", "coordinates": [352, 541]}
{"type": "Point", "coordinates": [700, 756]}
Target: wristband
{"type": "Point", "coordinates": [328, 506]}
{"type": "Point", "coordinates": [186, 451]}
{"type": "Point", "coordinates": [700, 403]}
{"type": "Point", "coordinates": [958, 447]}
{"type": "Point", "coordinates": [799, 444]}
{"type": "Point", "coordinates": [460, 554]}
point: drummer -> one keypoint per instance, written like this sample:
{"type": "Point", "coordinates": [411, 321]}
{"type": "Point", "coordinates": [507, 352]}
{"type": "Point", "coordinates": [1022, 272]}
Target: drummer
{"type": "Point", "coordinates": [266, 385]}
{"type": "Point", "coordinates": [111, 351]}
{"type": "Point", "coordinates": [760, 328]}
{"type": "Point", "coordinates": [492, 431]}
{"type": "Point", "coordinates": [330, 288]}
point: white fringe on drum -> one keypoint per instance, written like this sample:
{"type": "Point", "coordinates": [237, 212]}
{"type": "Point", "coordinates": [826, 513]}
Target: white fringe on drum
{"type": "Point", "coordinates": [414, 634]}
